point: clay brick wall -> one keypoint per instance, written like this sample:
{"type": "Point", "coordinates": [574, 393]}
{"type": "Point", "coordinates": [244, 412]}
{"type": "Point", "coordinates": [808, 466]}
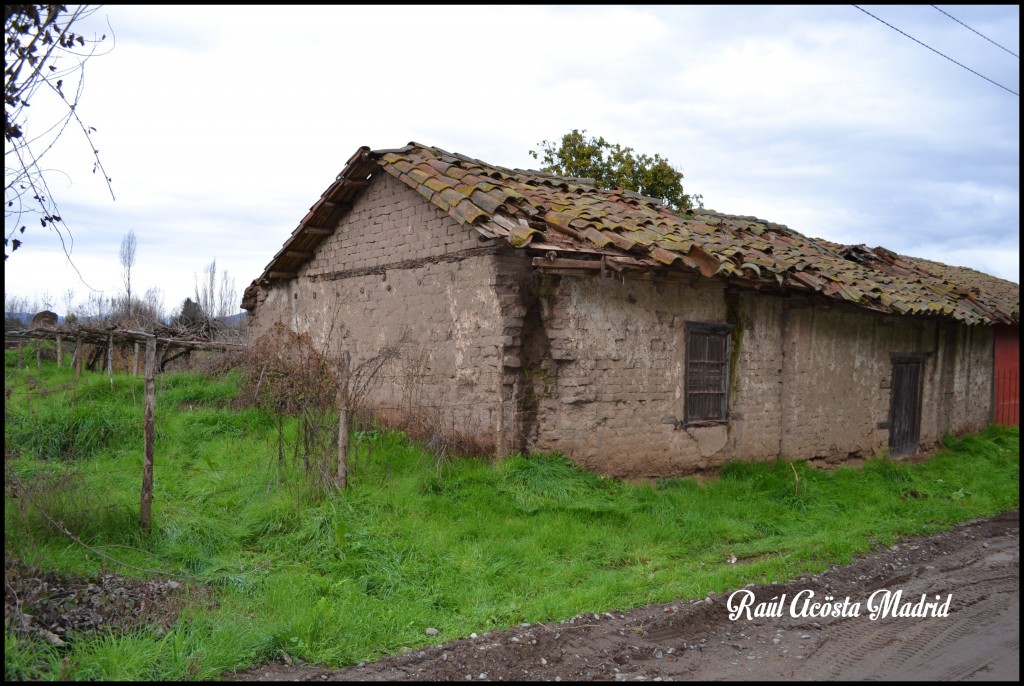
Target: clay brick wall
{"type": "Point", "coordinates": [837, 374]}
{"type": "Point", "coordinates": [594, 367]}
{"type": "Point", "coordinates": [609, 393]}
{"type": "Point", "coordinates": [395, 265]}
{"type": "Point", "coordinates": [807, 381]}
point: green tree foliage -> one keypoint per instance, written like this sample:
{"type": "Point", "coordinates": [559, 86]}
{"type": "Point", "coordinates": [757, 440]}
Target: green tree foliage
{"type": "Point", "coordinates": [611, 166]}
{"type": "Point", "coordinates": [191, 314]}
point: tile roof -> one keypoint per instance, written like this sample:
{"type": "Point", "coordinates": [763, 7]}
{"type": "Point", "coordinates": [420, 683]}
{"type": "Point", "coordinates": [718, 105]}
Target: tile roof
{"type": "Point", "coordinates": [532, 209]}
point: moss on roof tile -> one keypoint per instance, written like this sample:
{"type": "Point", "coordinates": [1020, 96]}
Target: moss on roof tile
{"type": "Point", "coordinates": [623, 222]}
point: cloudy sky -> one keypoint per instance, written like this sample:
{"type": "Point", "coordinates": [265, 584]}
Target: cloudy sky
{"type": "Point", "coordinates": [220, 127]}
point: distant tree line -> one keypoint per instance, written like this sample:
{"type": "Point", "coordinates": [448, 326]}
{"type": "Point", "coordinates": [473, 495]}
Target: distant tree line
{"type": "Point", "coordinates": [213, 308]}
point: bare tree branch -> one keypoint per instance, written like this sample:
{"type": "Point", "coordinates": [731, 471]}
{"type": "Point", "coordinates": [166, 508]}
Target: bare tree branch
{"type": "Point", "coordinates": [41, 51]}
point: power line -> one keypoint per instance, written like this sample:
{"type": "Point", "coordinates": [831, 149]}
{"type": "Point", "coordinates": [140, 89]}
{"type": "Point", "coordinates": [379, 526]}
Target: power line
{"type": "Point", "coordinates": [980, 34]}
{"type": "Point", "coordinates": [937, 52]}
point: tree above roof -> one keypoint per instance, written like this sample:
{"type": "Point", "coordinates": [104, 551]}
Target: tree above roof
{"type": "Point", "coordinates": [611, 166]}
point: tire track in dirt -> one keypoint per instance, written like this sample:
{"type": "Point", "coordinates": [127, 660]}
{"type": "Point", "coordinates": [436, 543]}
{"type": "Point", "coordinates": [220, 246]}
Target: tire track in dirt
{"type": "Point", "coordinates": [904, 647]}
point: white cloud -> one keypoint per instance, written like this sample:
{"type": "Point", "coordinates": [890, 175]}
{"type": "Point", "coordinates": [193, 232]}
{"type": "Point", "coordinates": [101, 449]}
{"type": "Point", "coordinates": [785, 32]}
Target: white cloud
{"type": "Point", "coordinates": [221, 125]}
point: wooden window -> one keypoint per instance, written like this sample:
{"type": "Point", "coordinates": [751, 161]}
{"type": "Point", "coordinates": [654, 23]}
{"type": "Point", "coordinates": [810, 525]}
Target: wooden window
{"type": "Point", "coordinates": [707, 372]}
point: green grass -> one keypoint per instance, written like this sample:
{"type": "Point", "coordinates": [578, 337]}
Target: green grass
{"type": "Point", "coordinates": [462, 545]}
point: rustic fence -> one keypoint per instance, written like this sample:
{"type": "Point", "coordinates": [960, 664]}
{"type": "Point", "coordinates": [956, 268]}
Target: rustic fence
{"type": "Point", "coordinates": [105, 339]}
{"type": "Point", "coordinates": [413, 405]}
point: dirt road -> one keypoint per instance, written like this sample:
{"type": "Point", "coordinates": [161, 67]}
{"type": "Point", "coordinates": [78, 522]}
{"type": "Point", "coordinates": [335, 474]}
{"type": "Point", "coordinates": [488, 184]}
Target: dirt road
{"type": "Point", "coordinates": [971, 573]}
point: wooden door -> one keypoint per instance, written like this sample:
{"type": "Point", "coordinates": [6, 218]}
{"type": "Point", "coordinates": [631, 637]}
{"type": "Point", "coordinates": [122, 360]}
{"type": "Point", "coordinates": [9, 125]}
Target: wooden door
{"type": "Point", "coordinates": [905, 406]}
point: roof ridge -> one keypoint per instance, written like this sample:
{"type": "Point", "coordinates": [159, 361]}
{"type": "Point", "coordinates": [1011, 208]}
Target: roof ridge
{"type": "Point", "coordinates": [524, 206]}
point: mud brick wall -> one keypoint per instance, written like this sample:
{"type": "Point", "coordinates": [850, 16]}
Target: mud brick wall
{"type": "Point", "coordinates": [605, 376]}
{"type": "Point", "coordinates": [837, 371]}
{"type": "Point", "coordinates": [397, 265]}
{"type": "Point", "coordinates": [605, 369]}
{"type": "Point", "coordinates": [594, 367]}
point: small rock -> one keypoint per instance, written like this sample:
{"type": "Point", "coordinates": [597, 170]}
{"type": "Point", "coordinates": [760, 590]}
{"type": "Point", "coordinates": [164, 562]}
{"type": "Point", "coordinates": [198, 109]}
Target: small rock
{"type": "Point", "coordinates": [515, 639]}
{"type": "Point", "coordinates": [51, 638]}
{"type": "Point", "coordinates": [444, 657]}
{"type": "Point", "coordinates": [659, 654]}
{"type": "Point", "coordinates": [431, 631]}
{"type": "Point", "coordinates": [543, 661]}
{"type": "Point", "coordinates": [805, 635]}
{"type": "Point", "coordinates": [473, 635]}
{"type": "Point", "coordinates": [483, 675]}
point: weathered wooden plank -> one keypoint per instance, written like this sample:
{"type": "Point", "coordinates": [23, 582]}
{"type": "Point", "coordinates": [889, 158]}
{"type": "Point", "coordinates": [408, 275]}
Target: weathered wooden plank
{"type": "Point", "coordinates": [566, 263]}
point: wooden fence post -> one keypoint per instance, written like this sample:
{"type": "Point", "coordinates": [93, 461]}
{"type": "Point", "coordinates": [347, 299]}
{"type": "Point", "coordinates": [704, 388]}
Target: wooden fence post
{"type": "Point", "coordinates": [145, 511]}
{"type": "Point", "coordinates": [135, 360]}
{"type": "Point", "coordinates": [110, 358]}
{"type": "Point", "coordinates": [60, 352]}
{"type": "Point", "coordinates": [77, 361]}
{"type": "Point", "coordinates": [343, 420]}
{"type": "Point", "coordinates": [39, 354]}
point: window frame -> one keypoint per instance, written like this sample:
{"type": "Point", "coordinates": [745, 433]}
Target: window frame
{"type": "Point", "coordinates": [725, 332]}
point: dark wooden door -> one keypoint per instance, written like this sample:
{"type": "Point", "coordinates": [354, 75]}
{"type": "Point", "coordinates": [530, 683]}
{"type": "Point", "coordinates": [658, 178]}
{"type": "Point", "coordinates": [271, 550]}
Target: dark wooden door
{"type": "Point", "coordinates": [905, 407]}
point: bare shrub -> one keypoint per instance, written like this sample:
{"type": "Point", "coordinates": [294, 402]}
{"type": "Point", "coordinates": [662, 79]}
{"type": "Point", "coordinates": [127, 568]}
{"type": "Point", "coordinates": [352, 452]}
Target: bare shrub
{"type": "Point", "coordinates": [288, 376]}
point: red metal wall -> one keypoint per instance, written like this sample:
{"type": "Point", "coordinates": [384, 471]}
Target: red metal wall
{"type": "Point", "coordinates": [1007, 375]}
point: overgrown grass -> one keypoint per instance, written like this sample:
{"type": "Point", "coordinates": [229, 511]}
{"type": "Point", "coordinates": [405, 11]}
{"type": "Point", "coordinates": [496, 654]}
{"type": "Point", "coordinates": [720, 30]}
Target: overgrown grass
{"type": "Point", "coordinates": [461, 545]}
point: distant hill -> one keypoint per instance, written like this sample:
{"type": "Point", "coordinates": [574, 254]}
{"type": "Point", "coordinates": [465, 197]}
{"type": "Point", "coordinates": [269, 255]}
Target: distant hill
{"type": "Point", "coordinates": [234, 320]}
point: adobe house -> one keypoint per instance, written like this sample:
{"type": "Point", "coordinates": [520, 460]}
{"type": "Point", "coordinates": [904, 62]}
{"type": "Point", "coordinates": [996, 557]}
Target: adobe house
{"type": "Point", "coordinates": [544, 314]}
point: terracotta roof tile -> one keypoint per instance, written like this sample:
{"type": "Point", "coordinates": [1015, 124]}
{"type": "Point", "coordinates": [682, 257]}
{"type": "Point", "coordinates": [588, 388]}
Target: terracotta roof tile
{"type": "Point", "coordinates": [619, 223]}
